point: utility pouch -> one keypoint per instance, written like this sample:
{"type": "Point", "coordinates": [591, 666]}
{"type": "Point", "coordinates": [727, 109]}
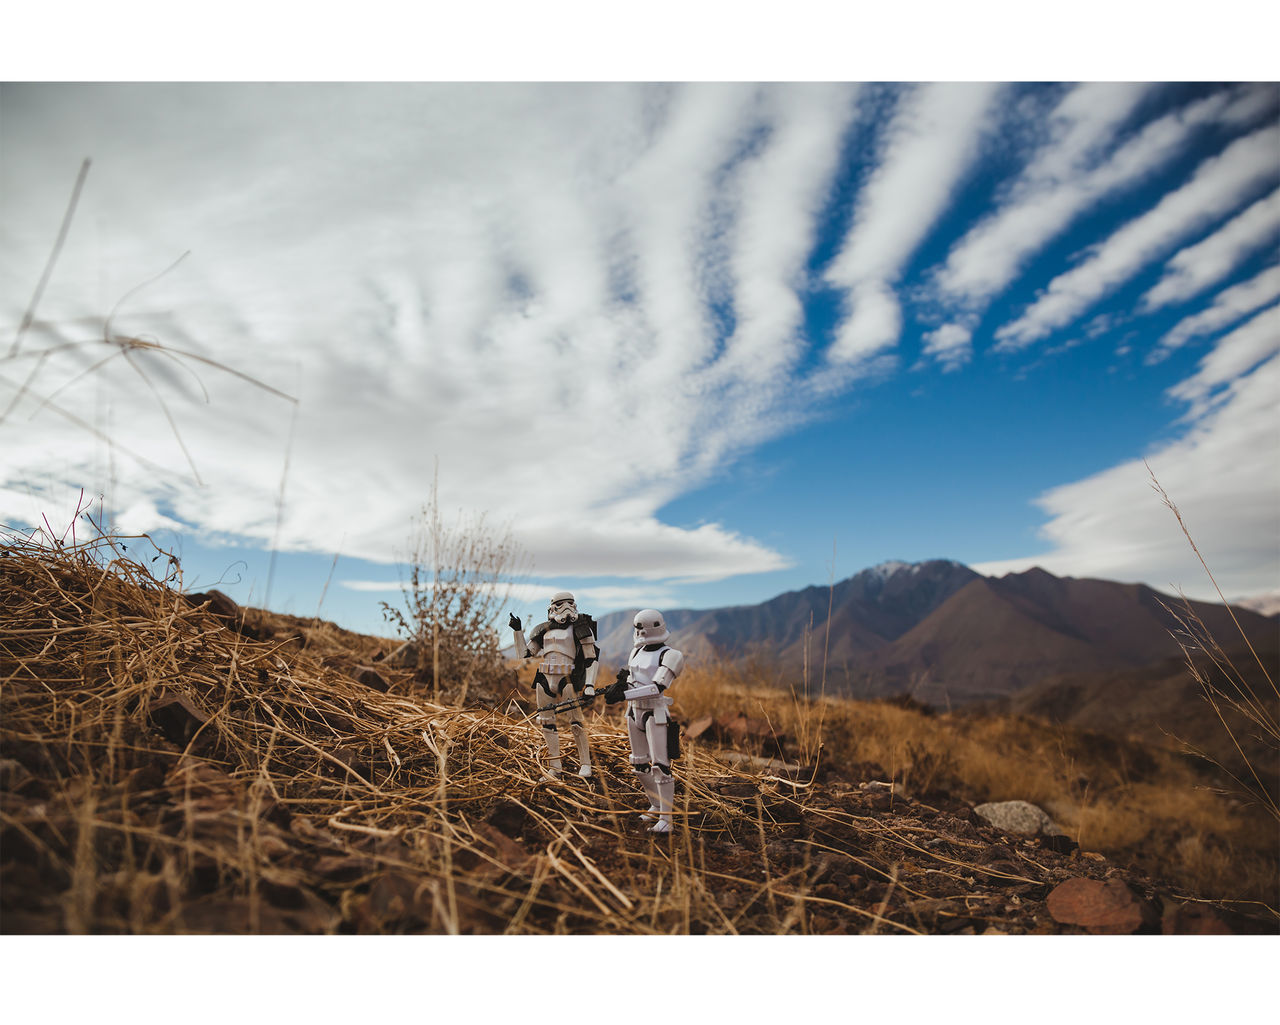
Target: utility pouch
{"type": "Point", "coordinates": [673, 740]}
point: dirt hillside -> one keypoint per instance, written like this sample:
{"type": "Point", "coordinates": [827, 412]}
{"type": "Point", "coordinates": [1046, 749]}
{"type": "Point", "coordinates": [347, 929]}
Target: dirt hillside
{"type": "Point", "coordinates": [170, 765]}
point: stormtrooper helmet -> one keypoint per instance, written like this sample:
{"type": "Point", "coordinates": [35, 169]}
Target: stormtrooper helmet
{"type": "Point", "coordinates": [562, 609]}
{"type": "Point", "coordinates": [651, 628]}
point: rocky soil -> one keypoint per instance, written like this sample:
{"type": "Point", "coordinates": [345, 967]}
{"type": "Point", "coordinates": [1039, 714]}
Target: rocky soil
{"type": "Point", "coordinates": [175, 766]}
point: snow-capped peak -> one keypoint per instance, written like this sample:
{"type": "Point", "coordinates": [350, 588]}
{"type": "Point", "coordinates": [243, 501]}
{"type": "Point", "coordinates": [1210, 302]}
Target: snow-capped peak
{"type": "Point", "coordinates": [887, 569]}
{"type": "Point", "coordinates": [891, 567]}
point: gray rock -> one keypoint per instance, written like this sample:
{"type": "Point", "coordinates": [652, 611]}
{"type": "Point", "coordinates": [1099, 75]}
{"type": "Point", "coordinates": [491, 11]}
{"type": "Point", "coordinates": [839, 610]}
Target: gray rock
{"type": "Point", "coordinates": [1016, 817]}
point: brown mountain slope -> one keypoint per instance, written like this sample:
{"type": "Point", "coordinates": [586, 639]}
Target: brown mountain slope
{"type": "Point", "coordinates": [979, 644]}
{"type": "Point", "coordinates": [996, 636]}
{"type": "Point", "coordinates": [941, 632]}
{"type": "Point", "coordinates": [867, 610]}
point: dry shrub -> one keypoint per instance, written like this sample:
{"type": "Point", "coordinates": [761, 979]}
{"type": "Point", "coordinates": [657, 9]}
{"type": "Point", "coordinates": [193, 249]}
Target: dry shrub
{"type": "Point", "coordinates": [460, 579]}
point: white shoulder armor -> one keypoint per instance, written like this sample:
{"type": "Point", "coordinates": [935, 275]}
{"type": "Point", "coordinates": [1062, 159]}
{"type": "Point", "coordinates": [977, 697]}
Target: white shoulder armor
{"type": "Point", "coordinates": [673, 660]}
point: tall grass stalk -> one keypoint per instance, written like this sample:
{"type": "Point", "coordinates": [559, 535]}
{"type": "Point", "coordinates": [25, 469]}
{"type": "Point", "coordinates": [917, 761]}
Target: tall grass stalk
{"type": "Point", "coordinates": [1242, 698]}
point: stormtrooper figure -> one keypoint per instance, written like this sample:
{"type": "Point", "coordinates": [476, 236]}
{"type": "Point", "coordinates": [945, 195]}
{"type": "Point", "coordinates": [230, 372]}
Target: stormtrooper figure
{"type": "Point", "coordinates": [650, 670]}
{"type": "Point", "coordinates": [568, 663]}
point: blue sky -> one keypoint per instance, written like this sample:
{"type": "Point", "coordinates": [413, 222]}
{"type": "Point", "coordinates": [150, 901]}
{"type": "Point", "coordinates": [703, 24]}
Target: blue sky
{"type": "Point", "coordinates": [684, 339]}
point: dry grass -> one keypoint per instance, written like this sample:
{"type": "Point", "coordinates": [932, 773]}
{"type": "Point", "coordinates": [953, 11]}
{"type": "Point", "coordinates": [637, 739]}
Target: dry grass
{"type": "Point", "coordinates": [1148, 806]}
{"type": "Point", "coordinates": [280, 795]}
{"type": "Point", "coordinates": [284, 796]}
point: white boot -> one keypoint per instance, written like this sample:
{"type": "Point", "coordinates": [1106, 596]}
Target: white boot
{"type": "Point", "coordinates": [584, 749]}
{"type": "Point", "coordinates": [552, 736]}
{"type": "Point", "coordinates": [665, 786]}
{"type": "Point", "coordinates": [651, 789]}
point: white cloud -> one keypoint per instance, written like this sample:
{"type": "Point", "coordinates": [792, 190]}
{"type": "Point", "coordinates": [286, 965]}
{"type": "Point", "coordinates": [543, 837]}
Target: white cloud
{"type": "Point", "coordinates": [525, 281]}
{"type": "Point", "coordinates": [951, 345]}
{"type": "Point", "coordinates": [1228, 306]}
{"type": "Point", "coordinates": [778, 196]}
{"type": "Point", "coordinates": [1223, 474]}
{"type": "Point", "coordinates": [1074, 169]}
{"type": "Point", "coordinates": [1197, 267]}
{"type": "Point", "coordinates": [524, 594]}
{"type": "Point", "coordinates": [928, 147]}
{"type": "Point", "coordinates": [374, 586]}
{"type": "Point", "coordinates": [1233, 356]}
{"type": "Point", "coordinates": [1046, 195]}
{"type": "Point", "coordinates": [515, 279]}
{"type": "Point", "coordinates": [1219, 185]}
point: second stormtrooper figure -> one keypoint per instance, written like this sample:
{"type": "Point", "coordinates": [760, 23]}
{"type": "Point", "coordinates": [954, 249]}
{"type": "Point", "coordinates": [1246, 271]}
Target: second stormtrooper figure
{"type": "Point", "coordinates": [651, 669]}
{"type": "Point", "coordinates": [568, 661]}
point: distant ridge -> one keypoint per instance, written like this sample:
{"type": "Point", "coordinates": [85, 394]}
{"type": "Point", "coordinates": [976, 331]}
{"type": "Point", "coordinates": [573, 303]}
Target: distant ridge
{"type": "Point", "coordinates": [868, 609]}
{"type": "Point", "coordinates": [941, 632]}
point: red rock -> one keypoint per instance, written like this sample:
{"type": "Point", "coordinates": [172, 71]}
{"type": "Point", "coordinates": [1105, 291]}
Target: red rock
{"type": "Point", "coordinates": [1103, 907]}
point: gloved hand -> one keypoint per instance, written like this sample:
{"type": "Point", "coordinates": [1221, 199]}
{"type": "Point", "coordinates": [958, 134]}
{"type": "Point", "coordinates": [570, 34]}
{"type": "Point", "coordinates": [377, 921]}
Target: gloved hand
{"type": "Point", "coordinates": [513, 621]}
{"type": "Point", "coordinates": [588, 696]}
{"type": "Point", "coordinates": [614, 692]}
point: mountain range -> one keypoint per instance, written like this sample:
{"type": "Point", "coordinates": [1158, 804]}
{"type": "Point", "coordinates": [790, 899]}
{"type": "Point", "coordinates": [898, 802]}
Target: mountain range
{"type": "Point", "coordinates": [944, 634]}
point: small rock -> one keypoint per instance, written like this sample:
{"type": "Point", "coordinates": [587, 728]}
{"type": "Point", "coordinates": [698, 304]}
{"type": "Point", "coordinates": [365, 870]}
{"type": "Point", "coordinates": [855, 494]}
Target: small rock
{"type": "Point", "coordinates": [1016, 817]}
{"type": "Point", "coordinates": [745, 726]}
{"type": "Point", "coordinates": [1100, 906]}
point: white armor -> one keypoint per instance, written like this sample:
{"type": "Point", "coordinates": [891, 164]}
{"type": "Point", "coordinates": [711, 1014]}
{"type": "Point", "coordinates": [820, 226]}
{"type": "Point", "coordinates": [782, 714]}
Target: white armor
{"type": "Point", "coordinates": [651, 669]}
{"type": "Point", "coordinates": [556, 644]}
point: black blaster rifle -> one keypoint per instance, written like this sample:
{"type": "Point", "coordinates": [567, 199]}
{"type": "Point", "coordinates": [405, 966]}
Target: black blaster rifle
{"type": "Point", "coordinates": [584, 701]}
{"type": "Point", "coordinates": [612, 695]}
